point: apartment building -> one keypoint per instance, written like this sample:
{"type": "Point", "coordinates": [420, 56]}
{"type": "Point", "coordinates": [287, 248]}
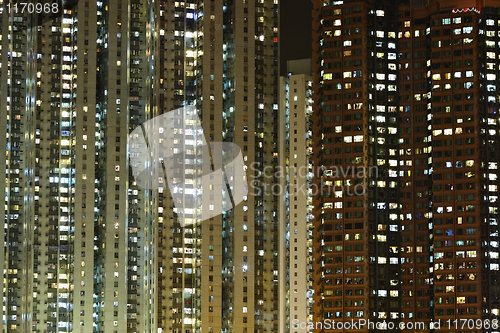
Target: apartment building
{"type": "Point", "coordinates": [78, 241]}
{"type": "Point", "coordinates": [221, 274]}
{"type": "Point", "coordinates": [406, 115]}
{"type": "Point", "coordinates": [296, 207]}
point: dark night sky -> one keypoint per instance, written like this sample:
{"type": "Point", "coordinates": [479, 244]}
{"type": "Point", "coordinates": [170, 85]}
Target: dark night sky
{"type": "Point", "coordinates": [295, 31]}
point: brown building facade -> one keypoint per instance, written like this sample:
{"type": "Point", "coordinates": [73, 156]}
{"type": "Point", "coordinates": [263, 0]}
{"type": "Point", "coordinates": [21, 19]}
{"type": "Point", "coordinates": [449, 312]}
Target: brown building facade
{"type": "Point", "coordinates": [406, 125]}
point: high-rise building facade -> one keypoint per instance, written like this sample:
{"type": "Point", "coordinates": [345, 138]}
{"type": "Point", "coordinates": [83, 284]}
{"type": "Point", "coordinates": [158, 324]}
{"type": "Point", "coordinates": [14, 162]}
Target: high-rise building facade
{"type": "Point", "coordinates": [78, 242]}
{"type": "Point", "coordinates": [406, 127]}
{"type": "Point", "coordinates": [222, 274]}
{"type": "Point", "coordinates": [296, 208]}
{"type": "Point", "coordinates": [85, 248]}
